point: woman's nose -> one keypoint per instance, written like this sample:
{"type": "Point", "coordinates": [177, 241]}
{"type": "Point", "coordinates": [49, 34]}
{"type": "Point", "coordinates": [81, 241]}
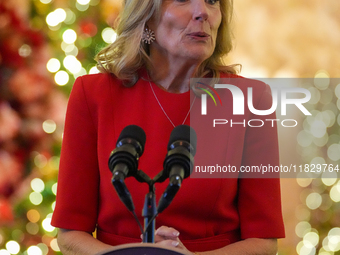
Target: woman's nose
{"type": "Point", "coordinates": [200, 10]}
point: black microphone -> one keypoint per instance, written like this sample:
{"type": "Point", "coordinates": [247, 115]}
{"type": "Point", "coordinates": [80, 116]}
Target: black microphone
{"type": "Point", "coordinates": [123, 161]}
{"type": "Point", "coordinates": [179, 162]}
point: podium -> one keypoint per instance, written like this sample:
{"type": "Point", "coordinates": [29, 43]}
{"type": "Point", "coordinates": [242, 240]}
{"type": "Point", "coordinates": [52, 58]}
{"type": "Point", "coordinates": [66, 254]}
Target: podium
{"type": "Point", "coordinates": [142, 249]}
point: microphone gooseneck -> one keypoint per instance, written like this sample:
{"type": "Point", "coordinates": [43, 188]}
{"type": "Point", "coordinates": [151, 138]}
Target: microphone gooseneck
{"type": "Point", "coordinates": [178, 163]}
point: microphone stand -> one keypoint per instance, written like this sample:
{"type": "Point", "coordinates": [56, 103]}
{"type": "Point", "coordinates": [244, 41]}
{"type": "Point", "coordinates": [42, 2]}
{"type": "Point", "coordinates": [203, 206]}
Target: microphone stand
{"type": "Point", "coordinates": [150, 209]}
{"type": "Point", "coordinates": [149, 213]}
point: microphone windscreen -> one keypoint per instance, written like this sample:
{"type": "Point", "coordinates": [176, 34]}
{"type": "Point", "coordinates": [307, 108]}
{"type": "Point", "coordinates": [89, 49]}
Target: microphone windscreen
{"type": "Point", "coordinates": [134, 132]}
{"type": "Point", "coordinates": [184, 133]}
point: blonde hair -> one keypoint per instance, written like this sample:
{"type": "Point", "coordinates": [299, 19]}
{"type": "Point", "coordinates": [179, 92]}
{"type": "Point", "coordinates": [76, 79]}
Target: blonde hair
{"type": "Point", "coordinates": [124, 59]}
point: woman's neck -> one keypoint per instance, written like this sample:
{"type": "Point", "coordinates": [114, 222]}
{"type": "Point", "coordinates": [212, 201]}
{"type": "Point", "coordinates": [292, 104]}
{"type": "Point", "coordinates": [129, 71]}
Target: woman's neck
{"type": "Point", "coordinates": [172, 75]}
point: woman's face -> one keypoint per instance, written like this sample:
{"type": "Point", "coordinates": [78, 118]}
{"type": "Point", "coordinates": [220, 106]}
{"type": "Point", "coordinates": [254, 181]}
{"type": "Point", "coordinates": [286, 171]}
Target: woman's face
{"type": "Point", "coordinates": [187, 29]}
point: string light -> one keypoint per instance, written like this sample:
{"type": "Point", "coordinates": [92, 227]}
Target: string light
{"type": "Point", "coordinates": [45, 1]}
{"type": "Point", "coordinates": [54, 245]}
{"type": "Point", "coordinates": [40, 160]}
{"type": "Point", "coordinates": [71, 49]}
{"type": "Point", "coordinates": [53, 65]}
{"type": "Point", "coordinates": [33, 216]}
{"type": "Point", "coordinates": [37, 185]}
{"type": "Point", "coordinates": [94, 70]}
{"type": "Point", "coordinates": [49, 126]}
{"type": "Point", "coordinates": [44, 248]}
{"type": "Point", "coordinates": [82, 7]}
{"type": "Point", "coordinates": [46, 224]}
{"type": "Point", "coordinates": [329, 178]}
{"type": "Point", "coordinates": [61, 78]}
{"type": "Point", "coordinates": [335, 192]}
{"type": "Point", "coordinates": [320, 194]}
{"type": "Point", "coordinates": [109, 35]}
{"type": "Point", "coordinates": [13, 247]}
{"type": "Point", "coordinates": [69, 36]}
{"type": "Point", "coordinates": [322, 80]}
{"type": "Point", "coordinates": [80, 73]}
{"type": "Point", "coordinates": [25, 50]}
{"type": "Point", "coordinates": [36, 198]}
{"type": "Point", "coordinates": [56, 17]}
{"type": "Point", "coordinates": [34, 250]}
{"type": "Point", "coordinates": [54, 188]}
{"type": "Point", "coordinates": [83, 2]}
{"type": "Point", "coordinates": [70, 17]}
{"type": "Point", "coordinates": [313, 200]}
{"type": "Point", "coordinates": [333, 152]}
{"type": "Point", "coordinates": [69, 40]}
{"type": "Point", "coordinates": [32, 228]}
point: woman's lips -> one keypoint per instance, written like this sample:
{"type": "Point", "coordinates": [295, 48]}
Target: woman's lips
{"type": "Point", "coordinates": [199, 35]}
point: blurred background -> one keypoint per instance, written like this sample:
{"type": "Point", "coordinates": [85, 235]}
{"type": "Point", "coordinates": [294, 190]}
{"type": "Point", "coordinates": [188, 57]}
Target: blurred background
{"type": "Point", "coordinates": [46, 44]}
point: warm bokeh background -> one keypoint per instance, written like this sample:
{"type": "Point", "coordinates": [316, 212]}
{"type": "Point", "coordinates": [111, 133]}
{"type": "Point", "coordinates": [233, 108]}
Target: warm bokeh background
{"type": "Point", "coordinates": [46, 44]}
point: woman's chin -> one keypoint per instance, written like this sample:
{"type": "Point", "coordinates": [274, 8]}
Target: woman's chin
{"type": "Point", "coordinates": [197, 54]}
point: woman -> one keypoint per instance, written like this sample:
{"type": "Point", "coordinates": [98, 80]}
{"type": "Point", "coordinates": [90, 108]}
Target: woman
{"type": "Point", "coordinates": [149, 86]}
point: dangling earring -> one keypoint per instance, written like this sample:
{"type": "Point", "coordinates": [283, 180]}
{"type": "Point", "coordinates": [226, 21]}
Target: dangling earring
{"type": "Point", "coordinates": [148, 36]}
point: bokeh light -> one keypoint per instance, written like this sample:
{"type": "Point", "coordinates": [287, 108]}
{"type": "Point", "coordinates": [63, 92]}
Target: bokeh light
{"type": "Point", "coordinates": [70, 49]}
{"type": "Point", "coordinates": [318, 128]}
{"type": "Point", "coordinates": [72, 64]}
{"type": "Point", "coordinates": [313, 200]}
{"type": "Point", "coordinates": [70, 17]}
{"type": "Point", "coordinates": [25, 50]}
{"type": "Point", "coordinates": [82, 7]}
{"type": "Point", "coordinates": [46, 224]}
{"type": "Point", "coordinates": [40, 160]}
{"type": "Point", "coordinates": [335, 193]}
{"type": "Point", "coordinates": [45, 1]}
{"type": "Point", "coordinates": [32, 228]}
{"type": "Point", "coordinates": [54, 18]}
{"type": "Point", "coordinates": [33, 215]}
{"type": "Point", "coordinates": [304, 138]}
{"type": "Point", "coordinates": [36, 198]}
{"type": "Point", "coordinates": [321, 80]}
{"type": "Point", "coordinates": [94, 70]}
{"type": "Point", "coordinates": [53, 65]}
{"type": "Point", "coordinates": [54, 188]}
{"type": "Point", "coordinates": [49, 126]}
{"type": "Point", "coordinates": [302, 228]}
{"type": "Point", "coordinates": [54, 245]}
{"type": "Point", "coordinates": [333, 152]}
{"type": "Point", "coordinates": [84, 2]}
{"type": "Point", "coordinates": [37, 185]}
{"type": "Point", "coordinates": [69, 36]}
{"type": "Point", "coordinates": [61, 78]}
{"type": "Point", "coordinates": [34, 250]}
{"type": "Point", "coordinates": [13, 247]}
{"type": "Point", "coordinates": [304, 182]}
{"type": "Point", "coordinates": [109, 35]}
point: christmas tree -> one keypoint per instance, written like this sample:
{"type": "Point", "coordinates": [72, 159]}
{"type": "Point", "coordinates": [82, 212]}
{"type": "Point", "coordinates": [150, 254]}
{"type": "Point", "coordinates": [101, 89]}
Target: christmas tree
{"type": "Point", "coordinates": [53, 44]}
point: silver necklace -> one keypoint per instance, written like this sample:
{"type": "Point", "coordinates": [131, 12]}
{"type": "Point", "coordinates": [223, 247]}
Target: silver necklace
{"type": "Point", "coordinates": [160, 105]}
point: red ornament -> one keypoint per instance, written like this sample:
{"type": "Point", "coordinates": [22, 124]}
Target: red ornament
{"type": "Point", "coordinates": [88, 28]}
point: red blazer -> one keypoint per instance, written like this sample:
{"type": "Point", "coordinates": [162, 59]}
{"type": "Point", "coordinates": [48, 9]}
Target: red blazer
{"type": "Point", "coordinates": [209, 212]}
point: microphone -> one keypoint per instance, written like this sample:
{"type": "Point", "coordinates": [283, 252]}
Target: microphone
{"type": "Point", "coordinates": [123, 160]}
{"type": "Point", "coordinates": [178, 163]}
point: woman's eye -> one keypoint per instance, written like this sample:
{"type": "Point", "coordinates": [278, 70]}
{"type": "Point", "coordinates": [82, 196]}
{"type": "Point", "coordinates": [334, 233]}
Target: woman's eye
{"type": "Point", "coordinates": [212, 2]}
